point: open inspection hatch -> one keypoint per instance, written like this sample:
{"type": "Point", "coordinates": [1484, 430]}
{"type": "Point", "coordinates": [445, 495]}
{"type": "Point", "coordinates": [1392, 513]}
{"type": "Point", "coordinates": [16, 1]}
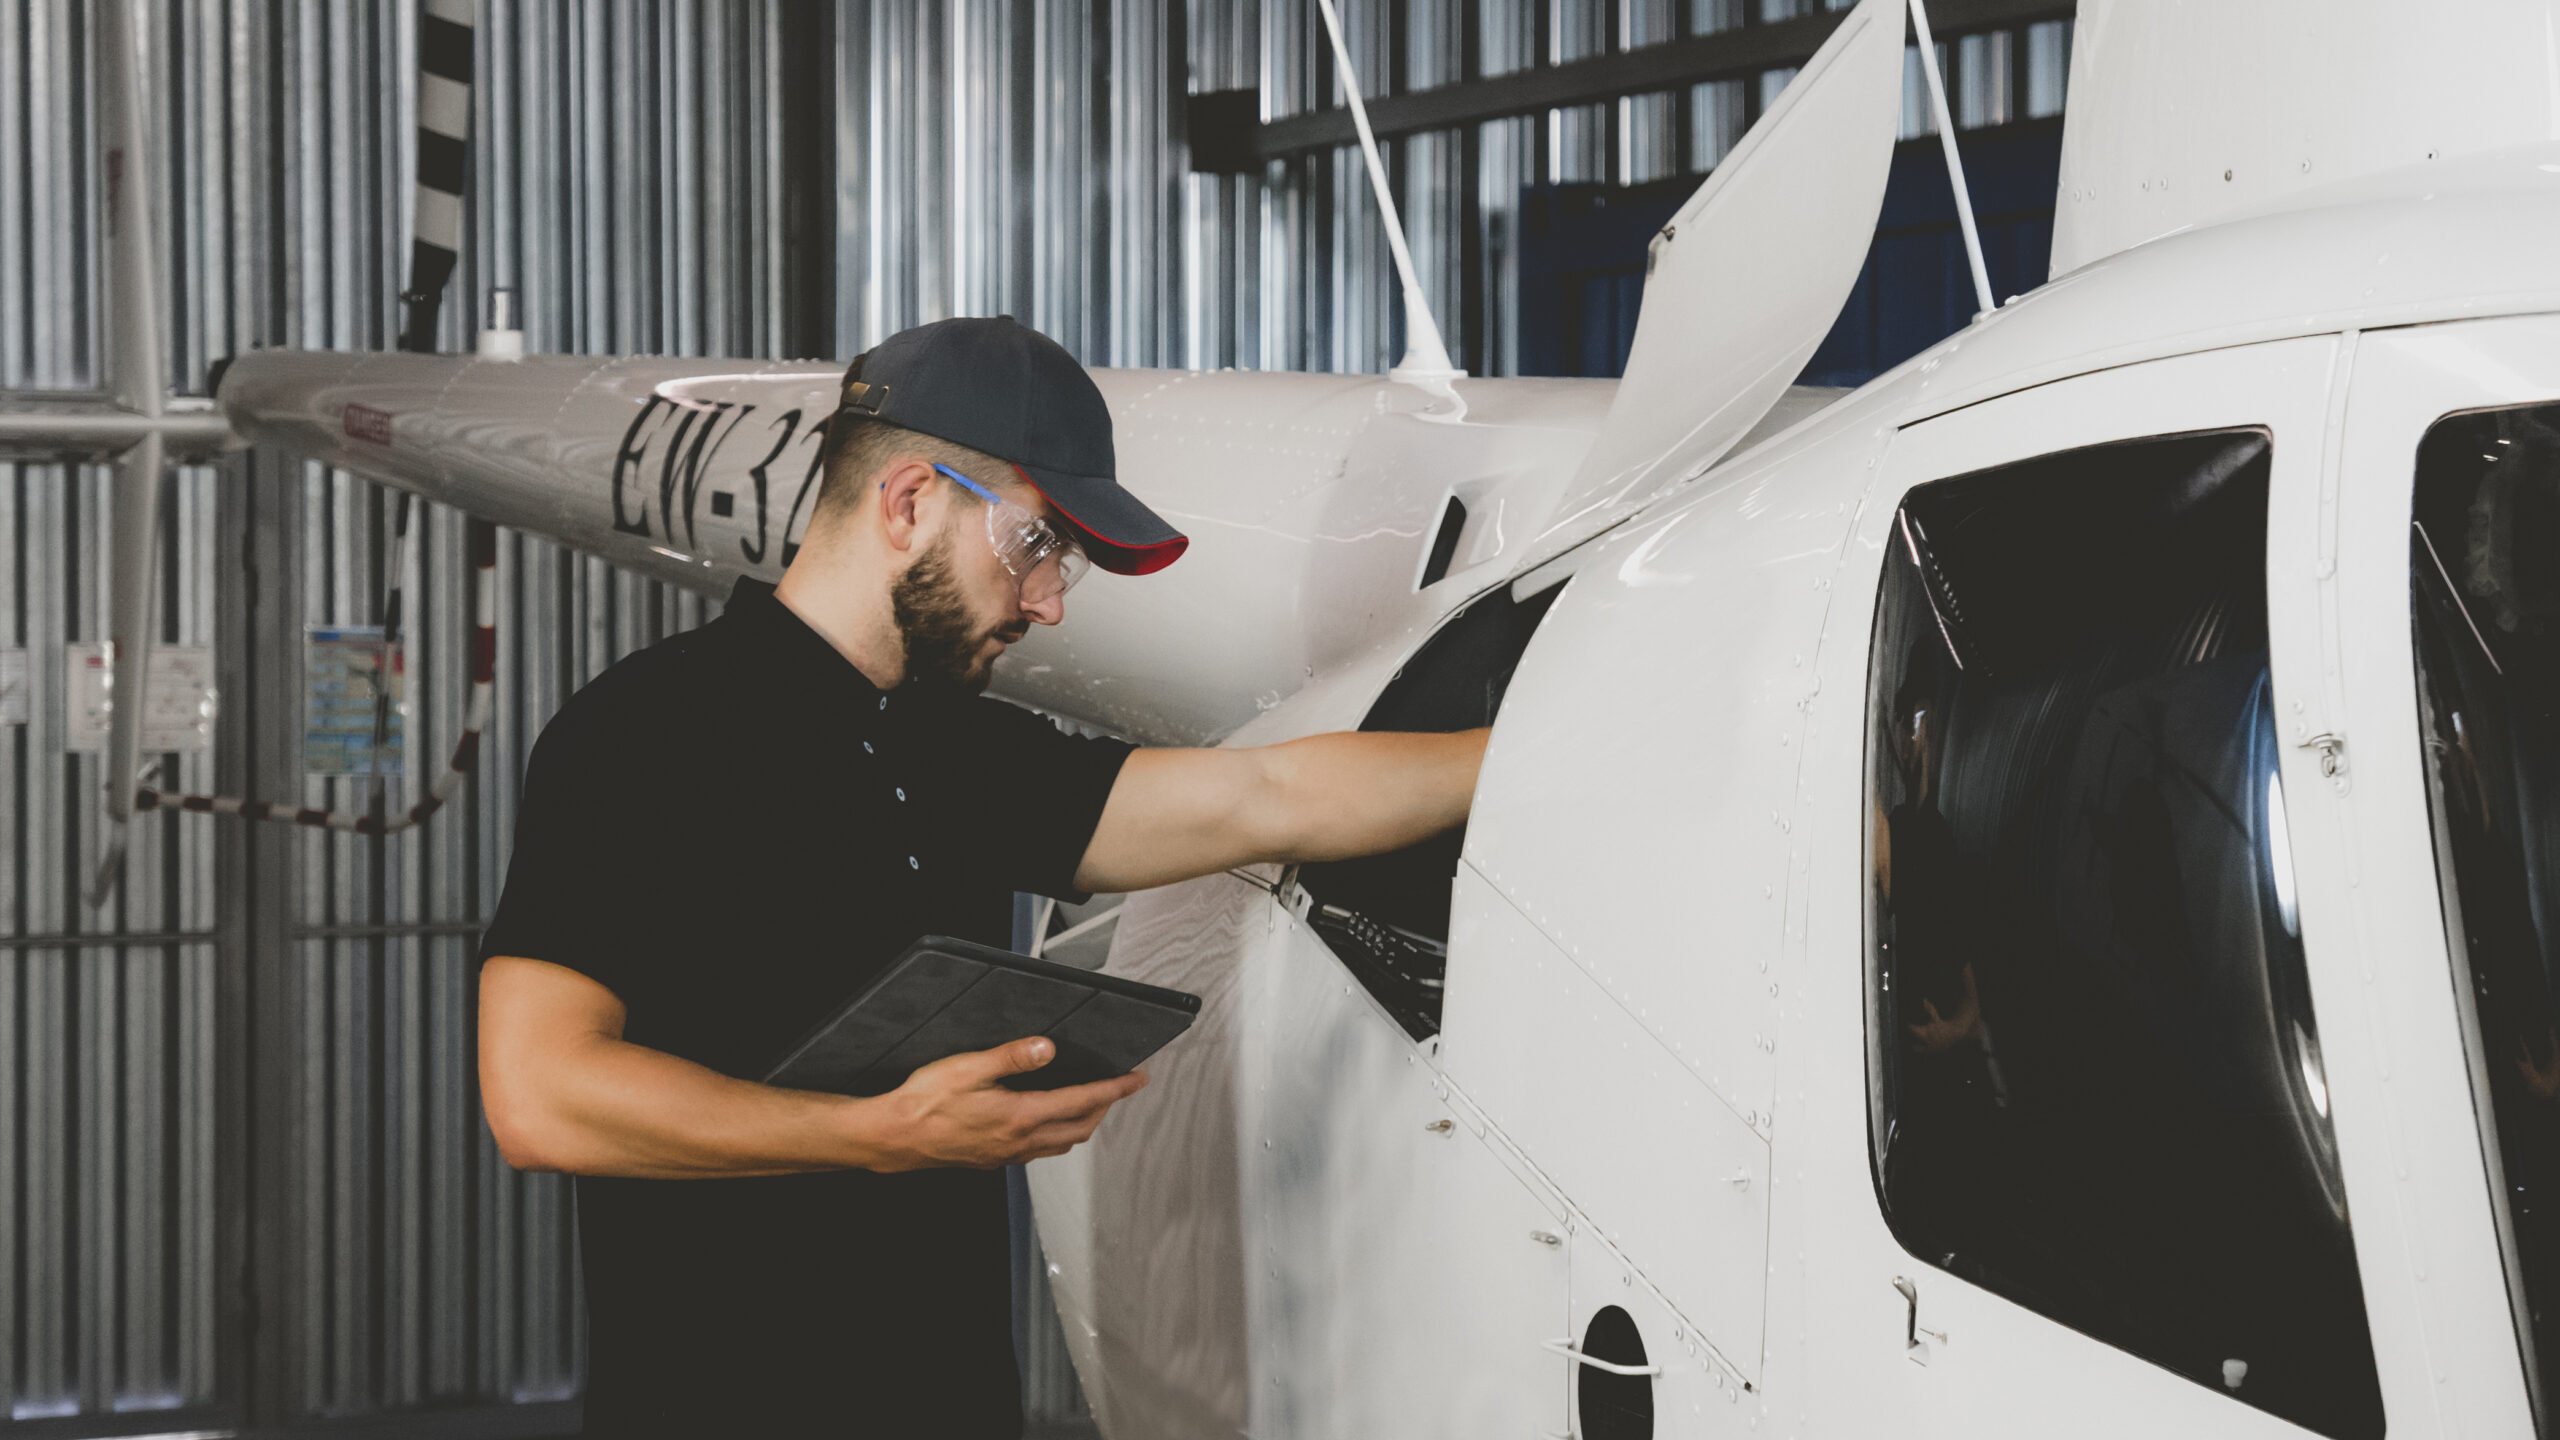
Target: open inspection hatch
{"type": "Point", "coordinates": [1387, 916]}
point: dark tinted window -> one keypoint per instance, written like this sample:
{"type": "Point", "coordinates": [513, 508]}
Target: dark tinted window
{"type": "Point", "coordinates": [2484, 554]}
{"type": "Point", "coordinates": [2097, 1085]}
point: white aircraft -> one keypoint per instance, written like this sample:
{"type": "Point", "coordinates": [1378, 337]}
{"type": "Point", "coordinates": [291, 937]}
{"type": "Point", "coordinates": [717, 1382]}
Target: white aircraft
{"type": "Point", "coordinates": [2014, 901]}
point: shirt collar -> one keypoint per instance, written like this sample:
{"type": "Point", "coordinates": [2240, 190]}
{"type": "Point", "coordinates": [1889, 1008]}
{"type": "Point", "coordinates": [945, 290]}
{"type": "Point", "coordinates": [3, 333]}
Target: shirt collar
{"type": "Point", "coordinates": [788, 642]}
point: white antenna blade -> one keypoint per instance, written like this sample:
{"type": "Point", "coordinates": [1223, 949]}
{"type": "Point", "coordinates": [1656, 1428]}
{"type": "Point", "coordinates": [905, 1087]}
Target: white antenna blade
{"type": "Point", "coordinates": [1425, 359]}
{"type": "Point", "coordinates": [1955, 162]}
{"type": "Point", "coordinates": [1748, 276]}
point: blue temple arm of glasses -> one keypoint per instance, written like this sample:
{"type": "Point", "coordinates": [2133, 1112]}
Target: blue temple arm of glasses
{"type": "Point", "coordinates": [972, 486]}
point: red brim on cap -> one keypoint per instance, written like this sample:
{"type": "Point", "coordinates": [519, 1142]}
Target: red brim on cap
{"type": "Point", "coordinates": [1119, 533]}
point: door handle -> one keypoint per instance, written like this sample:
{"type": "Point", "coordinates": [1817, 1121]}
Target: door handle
{"type": "Point", "coordinates": [1565, 1348]}
{"type": "Point", "coordinates": [1912, 1347]}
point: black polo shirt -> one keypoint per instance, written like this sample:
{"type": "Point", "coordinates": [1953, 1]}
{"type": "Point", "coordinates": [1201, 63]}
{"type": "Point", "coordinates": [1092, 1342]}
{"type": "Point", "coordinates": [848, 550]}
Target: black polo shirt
{"type": "Point", "coordinates": [732, 831]}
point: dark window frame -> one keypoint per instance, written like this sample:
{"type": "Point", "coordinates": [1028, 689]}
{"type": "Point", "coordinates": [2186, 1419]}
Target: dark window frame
{"type": "Point", "coordinates": [2093, 1008]}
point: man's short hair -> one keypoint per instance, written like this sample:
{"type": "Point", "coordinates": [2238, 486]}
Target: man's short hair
{"type": "Point", "coordinates": [859, 447]}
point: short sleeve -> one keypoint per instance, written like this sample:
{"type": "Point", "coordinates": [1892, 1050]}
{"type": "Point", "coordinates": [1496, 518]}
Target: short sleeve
{"type": "Point", "coordinates": [575, 834]}
{"type": "Point", "coordinates": [1036, 793]}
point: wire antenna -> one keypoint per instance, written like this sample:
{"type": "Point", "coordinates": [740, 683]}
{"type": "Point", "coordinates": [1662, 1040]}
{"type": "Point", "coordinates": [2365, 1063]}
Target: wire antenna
{"type": "Point", "coordinates": [1955, 162]}
{"type": "Point", "coordinates": [1426, 359]}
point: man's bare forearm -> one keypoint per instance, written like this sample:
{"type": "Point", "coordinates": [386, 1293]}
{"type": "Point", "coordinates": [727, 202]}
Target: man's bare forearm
{"type": "Point", "coordinates": [609, 1107]}
{"type": "Point", "coordinates": [1176, 814]}
{"type": "Point", "coordinates": [564, 1091]}
{"type": "Point", "coordinates": [1345, 794]}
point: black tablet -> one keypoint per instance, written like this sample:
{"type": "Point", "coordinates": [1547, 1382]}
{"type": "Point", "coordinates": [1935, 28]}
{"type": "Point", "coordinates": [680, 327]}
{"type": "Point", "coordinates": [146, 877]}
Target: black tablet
{"type": "Point", "coordinates": [947, 997]}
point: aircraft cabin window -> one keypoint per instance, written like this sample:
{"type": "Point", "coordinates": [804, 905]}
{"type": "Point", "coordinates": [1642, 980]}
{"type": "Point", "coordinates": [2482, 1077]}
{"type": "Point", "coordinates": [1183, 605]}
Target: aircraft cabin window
{"type": "Point", "coordinates": [2485, 525]}
{"type": "Point", "coordinates": [1387, 916]}
{"type": "Point", "coordinates": [2095, 1076]}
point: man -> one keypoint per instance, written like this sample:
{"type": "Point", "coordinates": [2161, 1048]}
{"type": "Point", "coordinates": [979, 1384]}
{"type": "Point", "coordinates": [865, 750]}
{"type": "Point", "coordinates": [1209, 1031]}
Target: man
{"type": "Point", "coordinates": [726, 834]}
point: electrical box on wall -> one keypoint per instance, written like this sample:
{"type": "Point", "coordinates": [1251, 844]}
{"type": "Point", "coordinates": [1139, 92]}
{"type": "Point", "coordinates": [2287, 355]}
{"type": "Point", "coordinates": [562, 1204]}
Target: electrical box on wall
{"type": "Point", "coordinates": [181, 699]}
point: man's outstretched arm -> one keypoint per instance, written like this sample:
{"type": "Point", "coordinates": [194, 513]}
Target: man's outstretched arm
{"type": "Point", "coordinates": [1177, 814]}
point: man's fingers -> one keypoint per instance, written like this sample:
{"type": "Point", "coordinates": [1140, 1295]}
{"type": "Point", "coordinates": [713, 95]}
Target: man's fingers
{"type": "Point", "coordinates": [985, 1067]}
{"type": "Point", "coordinates": [1046, 1107]}
{"type": "Point", "coordinates": [1041, 1111]}
{"type": "Point", "coordinates": [1065, 1135]}
{"type": "Point", "coordinates": [1025, 1055]}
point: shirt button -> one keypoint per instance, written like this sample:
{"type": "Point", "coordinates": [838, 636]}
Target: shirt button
{"type": "Point", "coordinates": [867, 750]}
{"type": "Point", "coordinates": [884, 702]}
{"type": "Point", "coordinates": [911, 863]}
{"type": "Point", "coordinates": [902, 793]}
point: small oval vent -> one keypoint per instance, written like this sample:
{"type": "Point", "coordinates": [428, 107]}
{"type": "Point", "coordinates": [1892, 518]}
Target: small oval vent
{"type": "Point", "coordinates": [1614, 1407]}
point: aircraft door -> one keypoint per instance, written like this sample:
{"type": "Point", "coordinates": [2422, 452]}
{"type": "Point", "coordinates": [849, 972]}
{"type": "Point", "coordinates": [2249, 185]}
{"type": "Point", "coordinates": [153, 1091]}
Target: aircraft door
{"type": "Point", "coordinates": [2093, 1172]}
{"type": "Point", "coordinates": [2421, 569]}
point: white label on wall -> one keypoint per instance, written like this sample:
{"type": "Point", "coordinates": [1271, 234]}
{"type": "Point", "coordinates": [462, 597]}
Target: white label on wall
{"type": "Point", "coordinates": [179, 704]}
{"type": "Point", "coordinates": [13, 687]}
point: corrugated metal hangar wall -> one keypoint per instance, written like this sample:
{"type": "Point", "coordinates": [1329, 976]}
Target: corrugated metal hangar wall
{"type": "Point", "coordinates": [243, 1177]}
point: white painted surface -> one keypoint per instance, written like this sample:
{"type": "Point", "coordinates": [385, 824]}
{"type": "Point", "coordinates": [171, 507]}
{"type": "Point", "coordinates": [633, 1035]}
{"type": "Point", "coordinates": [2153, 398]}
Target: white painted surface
{"type": "Point", "coordinates": [1649, 706]}
{"type": "Point", "coordinates": [2455, 240]}
{"type": "Point", "coordinates": [2186, 112]}
{"type": "Point", "coordinates": [1645, 1153]}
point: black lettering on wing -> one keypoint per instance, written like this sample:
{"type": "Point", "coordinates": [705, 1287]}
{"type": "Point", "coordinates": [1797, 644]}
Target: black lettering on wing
{"type": "Point", "coordinates": [682, 462]}
{"type": "Point", "coordinates": [754, 549]}
{"type": "Point", "coordinates": [667, 463]}
{"type": "Point", "coordinates": [633, 450]}
{"type": "Point", "coordinates": [703, 460]}
{"type": "Point", "coordinates": [792, 524]}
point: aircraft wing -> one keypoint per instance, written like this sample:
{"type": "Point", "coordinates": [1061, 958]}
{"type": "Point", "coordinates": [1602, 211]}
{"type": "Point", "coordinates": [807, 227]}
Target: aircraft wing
{"type": "Point", "coordinates": [1312, 501]}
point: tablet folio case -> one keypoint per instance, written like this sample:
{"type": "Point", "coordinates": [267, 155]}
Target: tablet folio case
{"type": "Point", "coordinates": [945, 997]}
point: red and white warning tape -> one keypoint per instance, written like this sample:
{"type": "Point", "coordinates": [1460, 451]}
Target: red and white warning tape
{"type": "Point", "coordinates": [484, 671]}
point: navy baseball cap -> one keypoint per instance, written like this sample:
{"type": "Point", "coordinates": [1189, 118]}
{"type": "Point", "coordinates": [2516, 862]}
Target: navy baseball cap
{"type": "Point", "coordinates": [1007, 390]}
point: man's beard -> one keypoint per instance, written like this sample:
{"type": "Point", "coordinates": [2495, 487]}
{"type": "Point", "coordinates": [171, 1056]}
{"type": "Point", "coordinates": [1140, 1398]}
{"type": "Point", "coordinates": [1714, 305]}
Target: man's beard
{"type": "Point", "coordinates": [942, 638]}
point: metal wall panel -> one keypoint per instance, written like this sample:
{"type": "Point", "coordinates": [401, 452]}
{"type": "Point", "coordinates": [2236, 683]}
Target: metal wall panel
{"type": "Point", "coordinates": [626, 184]}
{"type": "Point", "coordinates": [627, 188]}
{"type": "Point", "coordinates": [108, 1174]}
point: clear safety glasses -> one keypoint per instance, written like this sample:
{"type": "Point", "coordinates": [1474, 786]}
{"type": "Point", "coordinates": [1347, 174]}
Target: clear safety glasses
{"type": "Point", "coordinates": [1038, 555]}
